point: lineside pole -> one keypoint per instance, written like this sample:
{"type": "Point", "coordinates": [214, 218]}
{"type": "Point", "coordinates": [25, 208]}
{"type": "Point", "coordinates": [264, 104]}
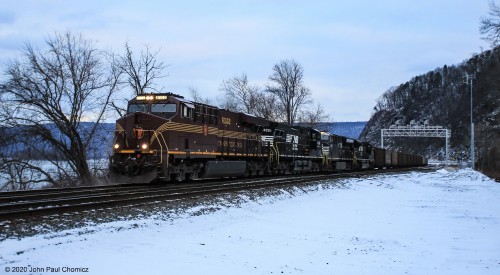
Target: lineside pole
{"type": "Point", "coordinates": [382, 138]}
{"type": "Point", "coordinates": [472, 146]}
{"type": "Point", "coordinates": [446, 148]}
{"type": "Point", "coordinates": [471, 124]}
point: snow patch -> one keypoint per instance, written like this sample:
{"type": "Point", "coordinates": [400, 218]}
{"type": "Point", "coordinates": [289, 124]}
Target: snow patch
{"type": "Point", "coordinates": [446, 222]}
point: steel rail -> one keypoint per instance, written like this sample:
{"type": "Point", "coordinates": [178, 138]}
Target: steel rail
{"type": "Point", "coordinates": [48, 203]}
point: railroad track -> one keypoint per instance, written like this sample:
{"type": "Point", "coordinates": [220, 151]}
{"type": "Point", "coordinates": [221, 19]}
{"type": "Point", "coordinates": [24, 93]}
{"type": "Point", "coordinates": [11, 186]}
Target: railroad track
{"type": "Point", "coordinates": [53, 201]}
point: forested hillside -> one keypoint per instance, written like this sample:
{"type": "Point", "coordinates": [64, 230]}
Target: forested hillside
{"type": "Point", "coordinates": [442, 97]}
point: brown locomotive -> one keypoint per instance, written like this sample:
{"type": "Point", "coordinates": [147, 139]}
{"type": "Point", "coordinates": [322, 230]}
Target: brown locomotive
{"type": "Point", "coordinates": [165, 137]}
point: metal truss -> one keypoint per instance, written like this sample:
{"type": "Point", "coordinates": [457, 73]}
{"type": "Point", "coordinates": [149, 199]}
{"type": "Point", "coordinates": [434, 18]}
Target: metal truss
{"type": "Point", "coordinates": [417, 131]}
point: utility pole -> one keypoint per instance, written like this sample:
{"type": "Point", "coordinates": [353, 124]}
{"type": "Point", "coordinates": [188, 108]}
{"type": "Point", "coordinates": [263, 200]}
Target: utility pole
{"type": "Point", "coordinates": [471, 78]}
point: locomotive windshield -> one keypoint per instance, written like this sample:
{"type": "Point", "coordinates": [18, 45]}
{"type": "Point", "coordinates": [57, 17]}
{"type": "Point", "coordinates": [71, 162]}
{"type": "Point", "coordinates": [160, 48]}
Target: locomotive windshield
{"type": "Point", "coordinates": [133, 108]}
{"type": "Point", "coordinates": [164, 109]}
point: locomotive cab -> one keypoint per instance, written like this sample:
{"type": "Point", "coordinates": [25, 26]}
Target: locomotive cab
{"type": "Point", "coordinates": [139, 149]}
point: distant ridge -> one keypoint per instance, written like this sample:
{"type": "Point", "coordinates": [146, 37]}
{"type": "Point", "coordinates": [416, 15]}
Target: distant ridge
{"type": "Point", "coordinates": [347, 129]}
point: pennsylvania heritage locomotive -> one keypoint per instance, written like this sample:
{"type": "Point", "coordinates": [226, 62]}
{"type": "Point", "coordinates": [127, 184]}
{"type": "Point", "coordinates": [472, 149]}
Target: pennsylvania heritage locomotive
{"type": "Point", "coordinates": [165, 137]}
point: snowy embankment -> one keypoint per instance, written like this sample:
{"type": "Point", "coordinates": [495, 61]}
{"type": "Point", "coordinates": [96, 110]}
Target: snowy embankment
{"type": "Point", "coordinates": [418, 223]}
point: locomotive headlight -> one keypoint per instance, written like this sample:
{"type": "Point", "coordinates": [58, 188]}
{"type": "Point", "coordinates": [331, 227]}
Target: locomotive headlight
{"type": "Point", "coordinates": [116, 146]}
{"type": "Point", "coordinates": [144, 146]}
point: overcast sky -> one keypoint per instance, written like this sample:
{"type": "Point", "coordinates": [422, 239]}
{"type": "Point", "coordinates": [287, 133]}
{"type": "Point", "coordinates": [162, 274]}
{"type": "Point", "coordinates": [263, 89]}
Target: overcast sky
{"type": "Point", "coordinates": [351, 51]}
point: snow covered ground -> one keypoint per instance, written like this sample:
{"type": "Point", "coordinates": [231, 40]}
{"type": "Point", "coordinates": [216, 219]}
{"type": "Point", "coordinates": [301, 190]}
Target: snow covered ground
{"type": "Point", "coordinates": [444, 222]}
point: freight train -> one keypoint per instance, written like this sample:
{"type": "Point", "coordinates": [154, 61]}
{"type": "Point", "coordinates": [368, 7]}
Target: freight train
{"type": "Point", "coordinates": [164, 137]}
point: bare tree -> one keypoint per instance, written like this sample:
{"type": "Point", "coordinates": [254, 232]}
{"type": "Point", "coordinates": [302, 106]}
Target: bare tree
{"type": "Point", "coordinates": [142, 71]}
{"type": "Point", "coordinates": [289, 89]}
{"type": "Point", "coordinates": [266, 107]}
{"type": "Point", "coordinates": [47, 96]}
{"type": "Point", "coordinates": [22, 175]}
{"type": "Point", "coordinates": [312, 117]}
{"type": "Point", "coordinates": [490, 26]}
{"type": "Point", "coordinates": [244, 95]}
{"type": "Point", "coordinates": [227, 103]}
{"type": "Point", "coordinates": [195, 95]}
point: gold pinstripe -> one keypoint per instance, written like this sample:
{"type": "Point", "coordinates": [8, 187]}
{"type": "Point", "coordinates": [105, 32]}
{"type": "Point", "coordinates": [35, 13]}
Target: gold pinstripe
{"type": "Point", "coordinates": [198, 129]}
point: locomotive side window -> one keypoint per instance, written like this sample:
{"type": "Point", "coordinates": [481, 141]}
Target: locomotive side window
{"type": "Point", "coordinates": [210, 116]}
{"type": "Point", "coordinates": [216, 116]}
{"type": "Point", "coordinates": [133, 108]}
{"type": "Point", "coordinates": [164, 109]}
{"type": "Point", "coordinates": [187, 110]}
{"type": "Point", "coordinates": [257, 128]}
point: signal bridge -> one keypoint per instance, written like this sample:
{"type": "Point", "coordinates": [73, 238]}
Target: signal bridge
{"type": "Point", "coordinates": [416, 130]}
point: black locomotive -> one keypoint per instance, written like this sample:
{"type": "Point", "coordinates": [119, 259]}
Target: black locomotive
{"type": "Point", "coordinates": [165, 137]}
